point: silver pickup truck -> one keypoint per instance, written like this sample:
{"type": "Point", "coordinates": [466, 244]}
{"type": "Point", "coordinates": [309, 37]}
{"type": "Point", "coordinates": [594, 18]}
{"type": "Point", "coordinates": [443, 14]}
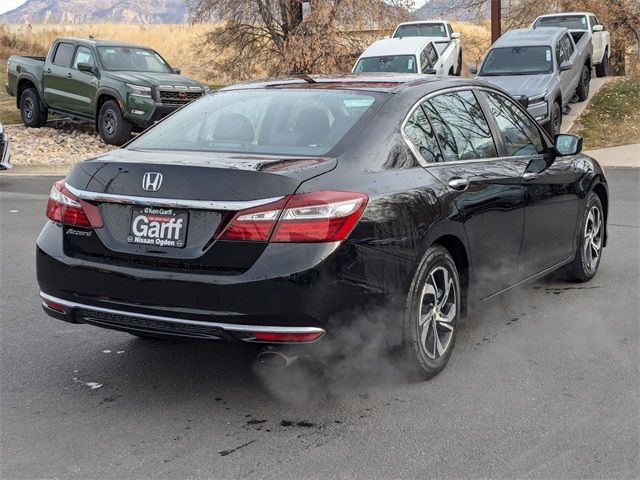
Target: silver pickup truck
{"type": "Point", "coordinates": [544, 68]}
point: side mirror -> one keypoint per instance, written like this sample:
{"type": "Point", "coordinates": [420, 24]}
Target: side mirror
{"type": "Point", "coordinates": [567, 65]}
{"type": "Point", "coordinates": [566, 145]}
{"type": "Point", "coordinates": [455, 35]}
{"type": "Point", "coordinates": [430, 71]}
{"type": "Point", "coordinates": [598, 28]}
{"type": "Point", "coordinates": [177, 71]}
{"type": "Point", "coordinates": [473, 69]}
{"type": "Point", "coordinates": [86, 67]}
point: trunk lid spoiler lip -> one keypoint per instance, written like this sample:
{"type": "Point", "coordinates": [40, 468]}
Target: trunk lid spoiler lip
{"type": "Point", "coordinates": [170, 202]}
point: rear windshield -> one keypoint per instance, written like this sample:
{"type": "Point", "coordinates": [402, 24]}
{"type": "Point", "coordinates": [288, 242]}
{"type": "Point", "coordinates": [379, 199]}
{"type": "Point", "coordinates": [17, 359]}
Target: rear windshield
{"type": "Point", "coordinates": [572, 22]}
{"type": "Point", "coordinates": [421, 30]}
{"type": "Point", "coordinates": [131, 59]}
{"type": "Point", "coordinates": [287, 121]}
{"type": "Point", "coordinates": [518, 61]}
{"type": "Point", "coordinates": [388, 63]}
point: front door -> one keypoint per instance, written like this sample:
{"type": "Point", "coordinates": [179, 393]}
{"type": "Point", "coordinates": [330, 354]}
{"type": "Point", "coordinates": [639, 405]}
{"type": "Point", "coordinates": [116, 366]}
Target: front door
{"type": "Point", "coordinates": [83, 85]}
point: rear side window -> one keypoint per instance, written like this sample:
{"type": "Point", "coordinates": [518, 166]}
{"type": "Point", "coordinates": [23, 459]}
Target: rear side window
{"type": "Point", "coordinates": [421, 134]}
{"type": "Point", "coordinates": [519, 131]}
{"type": "Point", "coordinates": [286, 121]}
{"type": "Point", "coordinates": [461, 126]}
{"type": "Point", "coordinates": [64, 52]}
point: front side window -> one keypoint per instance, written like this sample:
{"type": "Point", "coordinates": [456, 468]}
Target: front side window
{"type": "Point", "coordinates": [287, 121]}
{"type": "Point", "coordinates": [83, 55]}
{"type": "Point", "coordinates": [432, 55]}
{"type": "Point", "coordinates": [568, 46]}
{"type": "Point", "coordinates": [132, 59]}
{"type": "Point", "coordinates": [517, 61]}
{"type": "Point", "coordinates": [388, 63]}
{"type": "Point", "coordinates": [419, 131]}
{"type": "Point", "coordinates": [63, 54]}
{"type": "Point", "coordinates": [461, 126]}
{"type": "Point", "coordinates": [519, 131]}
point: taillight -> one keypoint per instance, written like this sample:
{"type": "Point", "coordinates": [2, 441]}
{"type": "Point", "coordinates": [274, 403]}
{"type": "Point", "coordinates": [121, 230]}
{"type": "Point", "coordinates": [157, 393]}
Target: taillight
{"type": "Point", "coordinates": [64, 207]}
{"type": "Point", "coordinates": [324, 216]}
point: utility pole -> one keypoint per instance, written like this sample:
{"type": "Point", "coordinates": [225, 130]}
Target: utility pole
{"type": "Point", "coordinates": [496, 20]}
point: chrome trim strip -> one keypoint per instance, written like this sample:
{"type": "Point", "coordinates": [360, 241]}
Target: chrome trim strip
{"type": "Point", "coordinates": [169, 202]}
{"type": "Point", "coordinates": [225, 326]}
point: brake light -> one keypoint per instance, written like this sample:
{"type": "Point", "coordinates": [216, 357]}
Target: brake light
{"type": "Point", "coordinates": [64, 207]}
{"type": "Point", "coordinates": [324, 216]}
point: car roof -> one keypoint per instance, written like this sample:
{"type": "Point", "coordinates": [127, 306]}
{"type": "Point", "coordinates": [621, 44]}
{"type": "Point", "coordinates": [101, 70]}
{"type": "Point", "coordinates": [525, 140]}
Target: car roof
{"type": "Point", "coordinates": [378, 82]}
{"type": "Point", "coordinates": [524, 37]}
{"type": "Point", "coordinates": [564, 14]}
{"type": "Point", "coordinates": [98, 42]}
{"type": "Point", "coordinates": [396, 46]}
{"type": "Point", "coordinates": [419, 22]}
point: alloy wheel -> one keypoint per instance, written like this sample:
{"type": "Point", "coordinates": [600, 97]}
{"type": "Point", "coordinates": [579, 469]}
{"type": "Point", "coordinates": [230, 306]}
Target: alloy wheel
{"type": "Point", "coordinates": [592, 246]}
{"type": "Point", "coordinates": [28, 108]}
{"type": "Point", "coordinates": [110, 122]}
{"type": "Point", "coordinates": [437, 312]}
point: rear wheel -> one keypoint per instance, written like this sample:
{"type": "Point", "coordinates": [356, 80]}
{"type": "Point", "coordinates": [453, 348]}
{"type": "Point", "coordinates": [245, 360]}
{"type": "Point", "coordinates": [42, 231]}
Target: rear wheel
{"type": "Point", "coordinates": [33, 115]}
{"type": "Point", "coordinates": [583, 87]}
{"type": "Point", "coordinates": [590, 242]}
{"type": "Point", "coordinates": [602, 69]}
{"type": "Point", "coordinates": [433, 310]}
{"type": "Point", "coordinates": [114, 129]}
{"type": "Point", "coordinates": [555, 120]}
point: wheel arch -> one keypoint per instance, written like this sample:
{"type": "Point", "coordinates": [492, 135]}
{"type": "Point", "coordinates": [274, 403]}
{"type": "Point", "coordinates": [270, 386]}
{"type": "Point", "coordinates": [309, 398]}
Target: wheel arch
{"type": "Point", "coordinates": [104, 95]}
{"type": "Point", "coordinates": [601, 191]}
{"type": "Point", "coordinates": [458, 251]}
{"type": "Point", "coordinates": [27, 81]}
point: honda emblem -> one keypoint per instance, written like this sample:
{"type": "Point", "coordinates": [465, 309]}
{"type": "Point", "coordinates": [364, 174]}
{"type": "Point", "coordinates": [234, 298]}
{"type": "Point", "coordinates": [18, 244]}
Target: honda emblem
{"type": "Point", "coordinates": [151, 181]}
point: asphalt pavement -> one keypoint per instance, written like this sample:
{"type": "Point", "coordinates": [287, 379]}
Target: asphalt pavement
{"type": "Point", "coordinates": [543, 383]}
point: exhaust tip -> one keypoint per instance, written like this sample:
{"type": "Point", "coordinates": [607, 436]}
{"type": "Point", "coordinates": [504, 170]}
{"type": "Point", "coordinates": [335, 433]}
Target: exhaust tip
{"type": "Point", "coordinates": [276, 360]}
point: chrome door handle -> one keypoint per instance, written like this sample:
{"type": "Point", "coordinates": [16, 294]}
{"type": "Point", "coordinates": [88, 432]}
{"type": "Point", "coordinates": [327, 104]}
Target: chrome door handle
{"type": "Point", "coordinates": [458, 183]}
{"type": "Point", "coordinates": [528, 176]}
{"type": "Point", "coordinates": [69, 75]}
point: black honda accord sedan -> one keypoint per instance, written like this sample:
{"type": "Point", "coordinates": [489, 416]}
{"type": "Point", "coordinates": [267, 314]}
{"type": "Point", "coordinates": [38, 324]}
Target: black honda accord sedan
{"type": "Point", "coordinates": [277, 212]}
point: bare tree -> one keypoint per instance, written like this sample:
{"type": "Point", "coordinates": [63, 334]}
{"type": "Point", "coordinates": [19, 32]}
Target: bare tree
{"type": "Point", "coordinates": [257, 37]}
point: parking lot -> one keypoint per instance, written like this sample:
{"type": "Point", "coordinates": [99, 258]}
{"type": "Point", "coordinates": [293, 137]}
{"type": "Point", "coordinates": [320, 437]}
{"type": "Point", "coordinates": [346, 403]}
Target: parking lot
{"type": "Point", "coordinates": [543, 384]}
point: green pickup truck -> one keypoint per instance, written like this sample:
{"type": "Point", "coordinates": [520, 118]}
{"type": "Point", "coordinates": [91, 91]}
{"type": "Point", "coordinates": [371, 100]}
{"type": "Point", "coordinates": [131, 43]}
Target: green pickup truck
{"type": "Point", "coordinates": [118, 86]}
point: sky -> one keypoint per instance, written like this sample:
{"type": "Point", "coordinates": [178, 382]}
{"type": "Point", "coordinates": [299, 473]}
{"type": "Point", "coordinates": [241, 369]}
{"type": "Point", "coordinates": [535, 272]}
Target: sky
{"type": "Point", "coordinates": [6, 5]}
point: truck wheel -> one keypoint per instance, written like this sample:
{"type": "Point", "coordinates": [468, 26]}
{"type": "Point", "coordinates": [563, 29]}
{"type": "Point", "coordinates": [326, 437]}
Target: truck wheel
{"type": "Point", "coordinates": [583, 87]}
{"type": "Point", "coordinates": [555, 120]}
{"type": "Point", "coordinates": [459, 71]}
{"type": "Point", "coordinates": [114, 129]}
{"type": "Point", "coordinates": [602, 69]}
{"type": "Point", "coordinates": [33, 115]}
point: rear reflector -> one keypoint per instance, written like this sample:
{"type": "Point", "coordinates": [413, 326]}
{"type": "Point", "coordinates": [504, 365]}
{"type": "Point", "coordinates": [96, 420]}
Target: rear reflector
{"type": "Point", "coordinates": [287, 337]}
{"type": "Point", "coordinates": [54, 306]}
{"type": "Point", "coordinates": [64, 207]}
{"type": "Point", "coordinates": [324, 216]}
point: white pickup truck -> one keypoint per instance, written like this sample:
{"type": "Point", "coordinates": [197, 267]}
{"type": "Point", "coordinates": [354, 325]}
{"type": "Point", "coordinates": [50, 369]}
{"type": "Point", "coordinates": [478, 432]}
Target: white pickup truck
{"type": "Point", "coordinates": [440, 31]}
{"type": "Point", "coordinates": [405, 55]}
{"type": "Point", "coordinates": [579, 24]}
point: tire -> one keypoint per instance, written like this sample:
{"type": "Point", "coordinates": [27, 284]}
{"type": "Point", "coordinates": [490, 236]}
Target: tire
{"type": "Point", "coordinates": [436, 289]}
{"type": "Point", "coordinates": [602, 69]}
{"type": "Point", "coordinates": [583, 87]}
{"type": "Point", "coordinates": [590, 242]}
{"type": "Point", "coordinates": [555, 122]}
{"type": "Point", "coordinates": [33, 115]}
{"type": "Point", "coordinates": [114, 129]}
{"type": "Point", "coordinates": [451, 73]}
{"type": "Point", "coordinates": [459, 72]}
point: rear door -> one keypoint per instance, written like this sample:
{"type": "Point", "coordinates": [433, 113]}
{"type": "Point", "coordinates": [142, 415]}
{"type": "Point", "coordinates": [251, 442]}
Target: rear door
{"type": "Point", "coordinates": [485, 187]}
{"type": "Point", "coordinates": [57, 73]}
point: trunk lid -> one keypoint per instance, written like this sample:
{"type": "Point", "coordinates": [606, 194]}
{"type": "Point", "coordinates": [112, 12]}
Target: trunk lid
{"type": "Point", "coordinates": [199, 191]}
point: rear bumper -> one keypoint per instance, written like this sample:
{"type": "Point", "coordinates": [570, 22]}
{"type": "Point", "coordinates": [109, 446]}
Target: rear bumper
{"type": "Point", "coordinates": [290, 286]}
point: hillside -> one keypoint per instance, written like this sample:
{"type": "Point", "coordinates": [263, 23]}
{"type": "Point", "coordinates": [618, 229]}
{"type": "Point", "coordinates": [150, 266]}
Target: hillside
{"type": "Point", "coordinates": [451, 10]}
{"type": "Point", "coordinates": [92, 11]}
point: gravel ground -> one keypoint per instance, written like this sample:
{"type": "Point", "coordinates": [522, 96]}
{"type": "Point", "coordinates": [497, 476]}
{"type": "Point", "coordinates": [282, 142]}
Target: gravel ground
{"type": "Point", "coordinates": [60, 141]}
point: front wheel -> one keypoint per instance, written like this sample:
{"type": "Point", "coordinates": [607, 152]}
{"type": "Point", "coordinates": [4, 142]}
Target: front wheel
{"type": "Point", "coordinates": [602, 69]}
{"type": "Point", "coordinates": [590, 242]}
{"type": "Point", "coordinates": [583, 87]}
{"type": "Point", "coordinates": [114, 129]}
{"type": "Point", "coordinates": [555, 120]}
{"type": "Point", "coordinates": [459, 72]}
{"type": "Point", "coordinates": [433, 311]}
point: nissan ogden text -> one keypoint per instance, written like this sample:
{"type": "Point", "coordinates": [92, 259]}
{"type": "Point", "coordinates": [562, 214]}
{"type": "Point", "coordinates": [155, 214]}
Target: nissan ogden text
{"type": "Point", "coordinates": [276, 212]}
